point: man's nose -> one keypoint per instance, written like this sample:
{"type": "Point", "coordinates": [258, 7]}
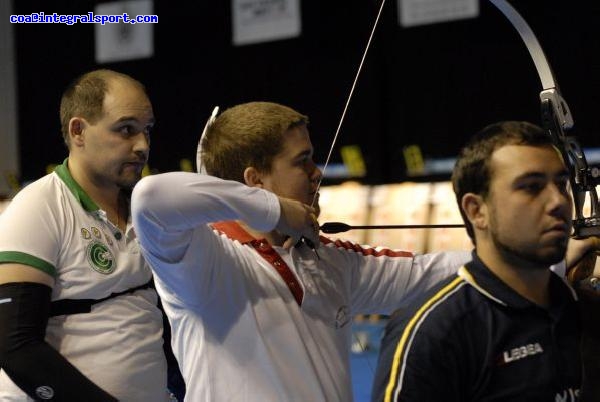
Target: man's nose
{"type": "Point", "coordinates": [317, 174]}
{"type": "Point", "coordinates": [560, 200]}
{"type": "Point", "coordinates": [141, 145]}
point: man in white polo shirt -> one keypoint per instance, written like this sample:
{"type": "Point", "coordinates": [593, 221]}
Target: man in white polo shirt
{"type": "Point", "coordinates": [256, 315]}
{"type": "Point", "coordinates": [78, 321]}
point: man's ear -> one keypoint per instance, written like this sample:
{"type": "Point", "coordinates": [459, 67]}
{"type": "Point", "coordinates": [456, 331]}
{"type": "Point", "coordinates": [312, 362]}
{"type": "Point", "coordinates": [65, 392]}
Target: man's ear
{"type": "Point", "coordinates": [475, 210]}
{"type": "Point", "coordinates": [252, 177]}
{"type": "Point", "coordinates": [76, 127]}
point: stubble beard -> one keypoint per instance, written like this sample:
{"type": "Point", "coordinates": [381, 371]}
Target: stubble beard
{"type": "Point", "coordinates": [127, 182]}
{"type": "Point", "coordinates": [543, 261]}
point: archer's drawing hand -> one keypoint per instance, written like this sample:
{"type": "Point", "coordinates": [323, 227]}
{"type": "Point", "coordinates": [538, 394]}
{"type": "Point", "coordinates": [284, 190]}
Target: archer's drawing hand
{"type": "Point", "coordinates": [297, 220]}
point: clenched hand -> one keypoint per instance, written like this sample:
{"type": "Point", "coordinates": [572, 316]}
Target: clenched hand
{"type": "Point", "coordinates": [297, 220]}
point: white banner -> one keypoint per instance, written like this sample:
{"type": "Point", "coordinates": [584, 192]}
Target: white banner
{"type": "Point", "coordinates": [256, 21]}
{"type": "Point", "coordinates": [124, 40]}
{"type": "Point", "coordinates": [421, 12]}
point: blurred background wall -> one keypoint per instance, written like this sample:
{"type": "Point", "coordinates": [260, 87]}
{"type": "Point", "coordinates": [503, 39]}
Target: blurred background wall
{"type": "Point", "coordinates": [432, 85]}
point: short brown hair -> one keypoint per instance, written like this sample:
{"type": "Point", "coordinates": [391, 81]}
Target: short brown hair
{"type": "Point", "coordinates": [84, 97]}
{"type": "Point", "coordinates": [250, 134]}
{"type": "Point", "coordinates": [472, 172]}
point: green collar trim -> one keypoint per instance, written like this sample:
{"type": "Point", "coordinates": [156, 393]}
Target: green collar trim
{"type": "Point", "coordinates": [86, 202]}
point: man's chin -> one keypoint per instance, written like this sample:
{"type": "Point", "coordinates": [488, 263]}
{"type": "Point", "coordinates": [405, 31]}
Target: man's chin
{"type": "Point", "coordinates": [542, 257]}
{"type": "Point", "coordinates": [553, 256]}
{"type": "Point", "coordinates": [128, 184]}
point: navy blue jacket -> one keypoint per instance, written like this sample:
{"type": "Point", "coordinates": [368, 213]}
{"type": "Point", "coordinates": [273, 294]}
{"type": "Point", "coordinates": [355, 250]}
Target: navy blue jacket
{"type": "Point", "coordinates": [473, 338]}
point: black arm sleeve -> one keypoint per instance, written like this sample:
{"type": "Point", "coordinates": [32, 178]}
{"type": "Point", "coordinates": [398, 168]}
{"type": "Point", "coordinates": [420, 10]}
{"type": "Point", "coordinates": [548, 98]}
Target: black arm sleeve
{"type": "Point", "coordinates": [32, 364]}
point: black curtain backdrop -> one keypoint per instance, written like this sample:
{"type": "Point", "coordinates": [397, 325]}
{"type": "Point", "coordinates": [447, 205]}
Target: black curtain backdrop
{"type": "Point", "coordinates": [432, 85]}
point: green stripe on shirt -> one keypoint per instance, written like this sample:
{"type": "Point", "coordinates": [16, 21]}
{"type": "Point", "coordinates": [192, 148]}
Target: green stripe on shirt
{"type": "Point", "coordinates": [27, 259]}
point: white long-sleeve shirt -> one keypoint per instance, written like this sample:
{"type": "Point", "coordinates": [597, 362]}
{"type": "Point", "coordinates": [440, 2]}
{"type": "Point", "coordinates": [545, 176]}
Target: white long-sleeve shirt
{"type": "Point", "coordinates": [252, 322]}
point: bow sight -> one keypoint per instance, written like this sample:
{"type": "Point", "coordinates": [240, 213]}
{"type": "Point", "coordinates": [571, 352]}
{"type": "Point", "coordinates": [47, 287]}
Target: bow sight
{"type": "Point", "coordinates": [556, 119]}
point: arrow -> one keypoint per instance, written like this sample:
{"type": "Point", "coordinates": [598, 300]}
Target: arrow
{"type": "Point", "coordinates": [339, 227]}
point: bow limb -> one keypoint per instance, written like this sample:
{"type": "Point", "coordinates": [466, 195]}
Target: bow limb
{"type": "Point", "coordinates": [199, 164]}
{"type": "Point", "coordinates": [557, 119]}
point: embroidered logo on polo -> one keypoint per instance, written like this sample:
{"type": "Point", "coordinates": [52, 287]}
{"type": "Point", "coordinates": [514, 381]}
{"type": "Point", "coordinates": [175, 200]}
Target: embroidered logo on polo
{"type": "Point", "coordinates": [100, 258]}
{"type": "Point", "coordinates": [521, 352]}
{"type": "Point", "coordinates": [568, 395]}
{"type": "Point", "coordinates": [98, 255]}
{"type": "Point", "coordinates": [96, 233]}
{"type": "Point", "coordinates": [342, 317]}
{"type": "Point", "coordinates": [44, 392]}
{"type": "Point", "coordinates": [86, 234]}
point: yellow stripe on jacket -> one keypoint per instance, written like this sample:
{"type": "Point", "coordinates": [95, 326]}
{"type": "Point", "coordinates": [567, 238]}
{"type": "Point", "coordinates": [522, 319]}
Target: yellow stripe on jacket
{"type": "Point", "coordinates": [411, 329]}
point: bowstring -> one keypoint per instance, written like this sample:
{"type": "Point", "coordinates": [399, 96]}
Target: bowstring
{"type": "Point", "coordinates": [346, 106]}
{"type": "Point", "coordinates": [337, 132]}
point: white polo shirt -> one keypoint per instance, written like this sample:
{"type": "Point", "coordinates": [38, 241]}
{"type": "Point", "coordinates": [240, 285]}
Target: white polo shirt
{"type": "Point", "coordinates": [255, 323]}
{"type": "Point", "coordinates": [54, 226]}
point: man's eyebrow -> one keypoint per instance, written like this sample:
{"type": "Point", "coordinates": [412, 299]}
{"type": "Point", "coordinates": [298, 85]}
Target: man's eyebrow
{"type": "Point", "coordinates": [541, 175]}
{"type": "Point", "coordinates": [135, 119]}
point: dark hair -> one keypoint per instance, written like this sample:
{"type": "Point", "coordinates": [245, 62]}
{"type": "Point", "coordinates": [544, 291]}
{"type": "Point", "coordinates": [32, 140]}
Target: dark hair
{"type": "Point", "coordinates": [250, 134]}
{"type": "Point", "coordinates": [84, 97]}
{"type": "Point", "coordinates": [472, 171]}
